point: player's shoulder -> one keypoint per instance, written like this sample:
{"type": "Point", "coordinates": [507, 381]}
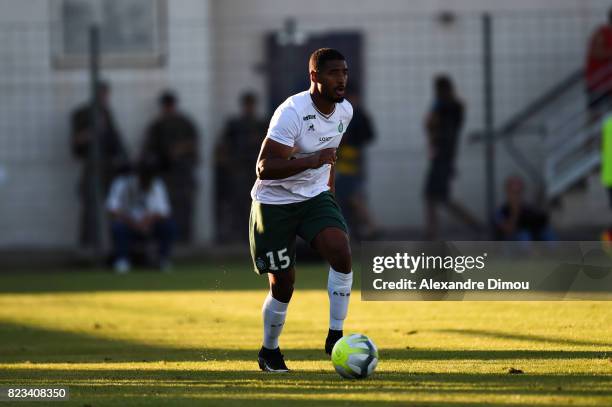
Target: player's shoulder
{"type": "Point", "coordinates": [292, 108]}
{"type": "Point", "coordinates": [297, 102]}
{"type": "Point", "coordinates": [346, 107]}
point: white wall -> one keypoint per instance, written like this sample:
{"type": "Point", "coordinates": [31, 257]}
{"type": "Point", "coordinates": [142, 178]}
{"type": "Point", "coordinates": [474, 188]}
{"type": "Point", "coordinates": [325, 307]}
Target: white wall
{"type": "Point", "coordinates": [537, 43]}
{"type": "Point", "coordinates": [39, 204]}
{"type": "Point", "coordinates": [215, 50]}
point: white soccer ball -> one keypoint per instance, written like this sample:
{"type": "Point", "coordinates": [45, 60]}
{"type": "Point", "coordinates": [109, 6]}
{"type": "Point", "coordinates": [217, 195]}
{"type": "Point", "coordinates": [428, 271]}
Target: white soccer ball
{"type": "Point", "coordinates": [355, 356]}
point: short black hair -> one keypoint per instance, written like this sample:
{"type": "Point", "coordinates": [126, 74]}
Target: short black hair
{"type": "Point", "coordinates": [248, 97]}
{"type": "Point", "coordinates": [168, 99]}
{"type": "Point", "coordinates": [321, 56]}
{"type": "Point", "coordinates": [444, 86]}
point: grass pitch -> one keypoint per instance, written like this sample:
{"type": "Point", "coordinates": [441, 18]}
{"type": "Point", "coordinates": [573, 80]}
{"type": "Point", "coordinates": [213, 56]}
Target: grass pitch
{"type": "Point", "coordinates": [191, 338]}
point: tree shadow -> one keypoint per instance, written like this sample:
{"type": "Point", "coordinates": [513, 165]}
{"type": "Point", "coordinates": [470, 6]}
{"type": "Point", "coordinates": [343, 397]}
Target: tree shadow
{"type": "Point", "coordinates": [108, 379]}
{"type": "Point", "coordinates": [251, 384]}
{"type": "Point", "coordinates": [218, 276]}
{"type": "Point", "coordinates": [523, 337]}
{"type": "Point", "coordinates": [38, 345]}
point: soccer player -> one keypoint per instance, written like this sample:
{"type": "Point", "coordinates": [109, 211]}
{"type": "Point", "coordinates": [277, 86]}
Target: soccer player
{"type": "Point", "coordinates": [293, 196]}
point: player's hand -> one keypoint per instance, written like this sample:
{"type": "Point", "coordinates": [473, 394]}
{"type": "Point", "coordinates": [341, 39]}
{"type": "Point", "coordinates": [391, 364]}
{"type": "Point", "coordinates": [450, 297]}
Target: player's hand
{"type": "Point", "coordinates": [325, 156]}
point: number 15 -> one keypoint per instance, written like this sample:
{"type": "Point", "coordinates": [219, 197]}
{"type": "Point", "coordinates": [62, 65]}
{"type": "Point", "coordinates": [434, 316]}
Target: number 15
{"type": "Point", "coordinates": [282, 257]}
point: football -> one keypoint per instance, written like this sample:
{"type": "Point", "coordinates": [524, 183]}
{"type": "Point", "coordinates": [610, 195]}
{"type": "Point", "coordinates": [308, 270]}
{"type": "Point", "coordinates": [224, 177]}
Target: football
{"type": "Point", "coordinates": [355, 356]}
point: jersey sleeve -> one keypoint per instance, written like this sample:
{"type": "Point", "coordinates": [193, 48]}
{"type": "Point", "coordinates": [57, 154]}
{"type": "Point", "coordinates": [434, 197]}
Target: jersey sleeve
{"type": "Point", "coordinates": [349, 111]}
{"type": "Point", "coordinates": [284, 126]}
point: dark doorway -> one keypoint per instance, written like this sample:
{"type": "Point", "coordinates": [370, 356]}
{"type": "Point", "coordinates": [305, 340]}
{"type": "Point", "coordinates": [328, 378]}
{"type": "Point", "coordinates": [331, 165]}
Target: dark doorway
{"type": "Point", "coordinates": [287, 71]}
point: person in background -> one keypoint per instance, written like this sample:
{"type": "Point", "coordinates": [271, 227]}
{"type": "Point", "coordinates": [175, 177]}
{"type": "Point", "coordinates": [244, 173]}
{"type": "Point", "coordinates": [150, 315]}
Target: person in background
{"type": "Point", "coordinates": [517, 220]}
{"type": "Point", "coordinates": [113, 156]}
{"type": "Point", "coordinates": [443, 126]}
{"type": "Point", "coordinates": [139, 209]}
{"type": "Point", "coordinates": [172, 141]}
{"type": "Point", "coordinates": [351, 171]}
{"type": "Point", "coordinates": [236, 155]}
{"type": "Point", "coordinates": [598, 70]}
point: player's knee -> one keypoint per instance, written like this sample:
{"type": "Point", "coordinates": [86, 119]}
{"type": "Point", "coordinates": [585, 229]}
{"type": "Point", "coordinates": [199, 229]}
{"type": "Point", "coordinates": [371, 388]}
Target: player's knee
{"type": "Point", "coordinates": [282, 293]}
{"type": "Point", "coordinates": [281, 286]}
{"type": "Point", "coordinates": [339, 255]}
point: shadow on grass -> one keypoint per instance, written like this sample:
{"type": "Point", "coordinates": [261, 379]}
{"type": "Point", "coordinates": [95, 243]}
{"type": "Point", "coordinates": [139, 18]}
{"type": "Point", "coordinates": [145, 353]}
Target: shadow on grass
{"type": "Point", "coordinates": [251, 384]}
{"type": "Point", "coordinates": [108, 381]}
{"type": "Point", "coordinates": [523, 337]}
{"type": "Point", "coordinates": [205, 276]}
{"type": "Point", "coordinates": [20, 344]}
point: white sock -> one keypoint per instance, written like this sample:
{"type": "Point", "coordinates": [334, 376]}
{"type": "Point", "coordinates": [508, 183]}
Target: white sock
{"type": "Point", "coordinates": [339, 290]}
{"type": "Point", "coordinates": [274, 313]}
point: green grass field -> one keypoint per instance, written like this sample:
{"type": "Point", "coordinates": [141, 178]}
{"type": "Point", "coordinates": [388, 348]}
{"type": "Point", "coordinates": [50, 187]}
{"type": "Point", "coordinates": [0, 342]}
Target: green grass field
{"type": "Point", "coordinates": [191, 338]}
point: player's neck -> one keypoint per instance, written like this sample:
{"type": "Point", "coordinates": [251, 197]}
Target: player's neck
{"type": "Point", "coordinates": [323, 105]}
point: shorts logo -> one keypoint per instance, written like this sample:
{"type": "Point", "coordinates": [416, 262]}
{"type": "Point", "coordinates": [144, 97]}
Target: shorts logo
{"type": "Point", "coordinates": [261, 264]}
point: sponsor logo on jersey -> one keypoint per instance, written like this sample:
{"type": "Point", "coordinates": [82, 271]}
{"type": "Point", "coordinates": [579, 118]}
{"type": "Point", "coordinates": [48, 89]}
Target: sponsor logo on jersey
{"type": "Point", "coordinates": [311, 127]}
{"type": "Point", "coordinates": [340, 127]}
{"type": "Point", "coordinates": [309, 117]}
{"type": "Point", "coordinates": [325, 139]}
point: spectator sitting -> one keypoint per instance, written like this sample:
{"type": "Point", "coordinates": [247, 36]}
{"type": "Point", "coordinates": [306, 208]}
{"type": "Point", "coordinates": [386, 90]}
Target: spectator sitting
{"type": "Point", "coordinates": [139, 209]}
{"type": "Point", "coordinates": [517, 220]}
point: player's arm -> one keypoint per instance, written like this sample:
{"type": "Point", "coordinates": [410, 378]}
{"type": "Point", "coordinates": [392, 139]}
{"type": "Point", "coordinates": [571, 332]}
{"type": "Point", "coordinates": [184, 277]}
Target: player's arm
{"type": "Point", "coordinates": [275, 161]}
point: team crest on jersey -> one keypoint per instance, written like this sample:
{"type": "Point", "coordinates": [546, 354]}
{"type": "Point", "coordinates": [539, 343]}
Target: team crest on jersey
{"type": "Point", "coordinates": [340, 127]}
{"type": "Point", "coordinates": [261, 264]}
{"type": "Point", "coordinates": [311, 127]}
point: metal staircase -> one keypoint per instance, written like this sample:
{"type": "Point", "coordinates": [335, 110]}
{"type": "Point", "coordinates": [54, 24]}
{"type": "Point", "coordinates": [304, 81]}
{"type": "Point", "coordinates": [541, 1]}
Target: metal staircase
{"type": "Point", "coordinates": [572, 159]}
{"type": "Point", "coordinates": [570, 134]}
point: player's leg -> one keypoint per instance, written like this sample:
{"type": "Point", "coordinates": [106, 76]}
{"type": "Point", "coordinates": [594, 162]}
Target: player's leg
{"type": "Point", "coordinates": [275, 306]}
{"type": "Point", "coordinates": [325, 228]}
{"type": "Point", "coordinates": [272, 240]}
{"type": "Point", "coordinates": [333, 245]}
{"type": "Point", "coordinates": [274, 313]}
{"type": "Point", "coordinates": [281, 285]}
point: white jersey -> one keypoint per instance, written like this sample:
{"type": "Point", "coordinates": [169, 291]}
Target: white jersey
{"type": "Point", "coordinates": [126, 196]}
{"type": "Point", "coordinates": [297, 123]}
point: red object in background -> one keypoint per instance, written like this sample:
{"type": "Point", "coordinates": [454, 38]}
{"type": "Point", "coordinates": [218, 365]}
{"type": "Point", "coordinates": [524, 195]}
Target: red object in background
{"type": "Point", "coordinates": [596, 75]}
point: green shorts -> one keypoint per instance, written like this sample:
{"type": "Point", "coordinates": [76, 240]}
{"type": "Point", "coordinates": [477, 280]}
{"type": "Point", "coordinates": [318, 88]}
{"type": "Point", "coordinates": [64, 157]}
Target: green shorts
{"type": "Point", "coordinates": [273, 229]}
